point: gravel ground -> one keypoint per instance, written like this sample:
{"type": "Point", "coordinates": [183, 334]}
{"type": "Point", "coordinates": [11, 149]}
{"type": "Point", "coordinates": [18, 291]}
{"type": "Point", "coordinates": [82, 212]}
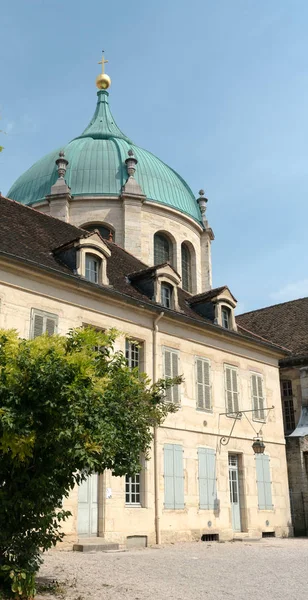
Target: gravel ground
{"type": "Point", "coordinates": [271, 569]}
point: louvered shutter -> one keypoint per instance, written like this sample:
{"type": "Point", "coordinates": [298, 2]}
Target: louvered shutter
{"type": "Point", "coordinates": [207, 478]}
{"type": "Point", "coordinates": [50, 326]}
{"type": "Point", "coordinates": [235, 390]}
{"type": "Point", "coordinates": [229, 395]}
{"type": "Point", "coordinates": [261, 397]}
{"type": "Point", "coordinates": [168, 372]}
{"type": "Point", "coordinates": [203, 384]}
{"type": "Point", "coordinates": [264, 483]}
{"type": "Point", "coordinates": [175, 371]}
{"type": "Point", "coordinates": [254, 391]}
{"type": "Point", "coordinates": [178, 477]}
{"type": "Point", "coordinates": [38, 325]}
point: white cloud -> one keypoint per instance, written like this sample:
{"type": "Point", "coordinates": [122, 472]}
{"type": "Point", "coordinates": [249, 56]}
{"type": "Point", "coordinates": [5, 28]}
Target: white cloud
{"type": "Point", "coordinates": [291, 291]}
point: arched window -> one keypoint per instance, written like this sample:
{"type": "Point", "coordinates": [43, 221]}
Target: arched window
{"type": "Point", "coordinates": [104, 230]}
{"type": "Point", "coordinates": [162, 249]}
{"type": "Point", "coordinates": [186, 268]}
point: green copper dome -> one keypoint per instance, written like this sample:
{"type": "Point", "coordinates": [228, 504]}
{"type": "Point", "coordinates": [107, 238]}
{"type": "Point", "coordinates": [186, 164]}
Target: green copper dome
{"type": "Point", "coordinates": [97, 168]}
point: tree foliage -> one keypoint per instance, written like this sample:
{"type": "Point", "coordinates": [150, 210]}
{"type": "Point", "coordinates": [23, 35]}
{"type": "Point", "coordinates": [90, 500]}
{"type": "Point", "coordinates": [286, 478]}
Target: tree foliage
{"type": "Point", "coordinates": [69, 406]}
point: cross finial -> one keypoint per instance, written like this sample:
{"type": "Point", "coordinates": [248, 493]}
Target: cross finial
{"type": "Point", "coordinates": [102, 62]}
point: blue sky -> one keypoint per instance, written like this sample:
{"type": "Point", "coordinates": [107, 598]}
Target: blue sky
{"type": "Point", "coordinates": [218, 89]}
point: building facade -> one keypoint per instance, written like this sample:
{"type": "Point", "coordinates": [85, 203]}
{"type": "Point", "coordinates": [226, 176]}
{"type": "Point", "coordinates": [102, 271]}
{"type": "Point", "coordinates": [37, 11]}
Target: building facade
{"type": "Point", "coordinates": [112, 237]}
{"type": "Point", "coordinates": [287, 324]}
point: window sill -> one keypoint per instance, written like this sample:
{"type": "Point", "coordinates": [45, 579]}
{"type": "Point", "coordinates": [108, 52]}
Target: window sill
{"type": "Point", "coordinates": [136, 505]}
{"type": "Point", "coordinates": [256, 420]}
{"type": "Point", "coordinates": [204, 410]}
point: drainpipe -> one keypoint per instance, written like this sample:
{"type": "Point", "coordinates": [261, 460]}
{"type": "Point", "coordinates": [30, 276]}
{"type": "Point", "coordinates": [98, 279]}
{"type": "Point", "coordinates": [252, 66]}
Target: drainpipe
{"type": "Point", "coordinates": [156, 466]}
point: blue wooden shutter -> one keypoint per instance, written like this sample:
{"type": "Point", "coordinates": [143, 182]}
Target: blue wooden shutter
{"type": "Point", "coordinates": [173, 476]}
{"type": "Point", "coordinates": [264, 483]}
{"type": "Point", "coordinates": [207, 477]}
{"type": "Point", "coordinates": [178, 477]}
{"type": "Point", "coordinates": [169, 476]}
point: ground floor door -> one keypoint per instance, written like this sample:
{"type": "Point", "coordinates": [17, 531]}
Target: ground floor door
{"type": "Point", "coordinates": [234, 492]}
{"type": "Point", "coordinates": [88, 506]}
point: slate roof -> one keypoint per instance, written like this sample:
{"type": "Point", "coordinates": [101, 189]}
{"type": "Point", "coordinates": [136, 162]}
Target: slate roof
{"type": "Point", "coordinates": [284, 324]}
{"type": "Point", "coordinates": [29, 235]}
{"type": "Point", "coordinates": [207, 296]}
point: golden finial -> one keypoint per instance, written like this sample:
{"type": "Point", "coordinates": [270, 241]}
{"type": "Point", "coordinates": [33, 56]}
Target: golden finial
{"type": "Point", "coordinates": [103, 81]}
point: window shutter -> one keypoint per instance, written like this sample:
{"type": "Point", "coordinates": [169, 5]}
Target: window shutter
{"type": "Point", "coordinates": [168, 372]}
{"type": "Point", "coordinates": [50, 326]}
{"type": "Point", "coordinates": [257, 396]}
{"type": "Point", "coordinates": [264, 483]}
{"type": "Point", "coordinates": [203, 384]}
{"type": "Point", "coordinates": [168, 476]}
{"type": "Point", "coordinates": [229, 395]}
{"type": "Point", "coordinates": [38, 325]}
{"type": "Point", "coordinates": [178, 477]}
{"type": "Point", "coordinates": [175, 371]}
{"type": "Point", "coordinates": [235, 390]}
{"type": "Point", "coordinates": [207, 478]}
{"type": "Point", "coordinates": [199, 377]}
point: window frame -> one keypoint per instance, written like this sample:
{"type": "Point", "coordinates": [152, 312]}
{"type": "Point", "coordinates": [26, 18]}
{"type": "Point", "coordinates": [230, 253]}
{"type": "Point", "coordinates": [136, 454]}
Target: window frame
{"type": "Point", "coordinates": [166, 286]}
{"type": "Point", "coordinates": [287, 401]}
{"type": "Point", "coordinates": [158, 260]}
{"type": "Point", "coordinates": [92, 257]}
{"type": "Point", "coordinates": [130, 481]}
{"type": "Point", "coordinates": [226, 311]}
{"type": "Point", "coordinates": [45, 315]}
{"type": "Point", "coordinates": [186, 269]}
{"type": "Point", "coordinates": [129, 350]}
{"type": "Point", "coordinates": [209, 385]}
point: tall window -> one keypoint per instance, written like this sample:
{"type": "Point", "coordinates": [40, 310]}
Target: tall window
{"type": "Point", "coordinates": [133, 353]}
{"type": "Point", "coordinates": [162, 249]}
{"type": "Point", "coordinates": [203, 383]}
{"type": "Point", "coordinates": [171, 369]}
{"type": "Point", "coordinates": [43, 322]}
{"type": "Point", "coordinates": [257, 396]}
{"type": "Point", "coordinates": [133, 489]}
{"type": "Point", "coordinates": [288, 405]}
{"type": "Point", "coordinates": [104, 230]}
{"type": "Point", "coordinates": [186, 268]}
{"type": "Point", "coordinates": [92, 268]}
{"type": "Point", "coordinates": [231, 387]}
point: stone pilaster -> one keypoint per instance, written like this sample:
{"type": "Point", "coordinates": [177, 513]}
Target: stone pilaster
{"type": "Point", "coordinates": [132, 209]}
{"type": "Point", "coordinates": [206, 259]}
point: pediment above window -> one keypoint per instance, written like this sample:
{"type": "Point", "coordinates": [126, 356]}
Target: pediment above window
{"type": "Point", "coordinates": [159, 283]}
{"type": "Point", "coordinates": [86, 256]}
{"type": "Point", "coordinates": [217, 305]}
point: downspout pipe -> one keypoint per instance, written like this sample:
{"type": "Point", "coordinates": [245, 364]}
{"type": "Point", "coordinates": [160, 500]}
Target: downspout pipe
{"type": "Point", "coordinates": [155, 441]}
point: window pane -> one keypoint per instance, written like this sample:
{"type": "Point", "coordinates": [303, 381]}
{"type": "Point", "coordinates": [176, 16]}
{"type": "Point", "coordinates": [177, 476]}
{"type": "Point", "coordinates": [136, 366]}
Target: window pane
{"type": "Point", "coordinates": [132, 489]}
{"type": "Point", "coordinates": [166, 296]}
{"type": "Point", "coordinates": [225, 317]}
{"type": "Point", "coordinates": [186, 269]}
{"type": "Point", "coordinates": [162, 249]}
{"type": "Point", "coordinates": [132, 353]}
{"type": "Point", "coordinates": [91, 269]}
{"type": "Point", "coordinates": [103, 229]}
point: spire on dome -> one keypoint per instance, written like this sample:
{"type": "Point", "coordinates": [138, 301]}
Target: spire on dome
{"type": "Point", "coordinates": [102, 125]}
{"type": "Point", "coordinates": [103, 81]}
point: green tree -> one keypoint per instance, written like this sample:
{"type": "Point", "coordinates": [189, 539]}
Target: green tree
{"type": "Point", "coordinates": [69, 407]}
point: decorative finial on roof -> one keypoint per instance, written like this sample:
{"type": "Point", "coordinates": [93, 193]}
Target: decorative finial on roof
{"type": "Point", "coordinates": [61, 163]}
{"type": "Point", "coordinates": [131, 163]}
{"type": "Point", "coordinates": [103, 80]}
{"type": "Point", "coordinates": [202, 201]}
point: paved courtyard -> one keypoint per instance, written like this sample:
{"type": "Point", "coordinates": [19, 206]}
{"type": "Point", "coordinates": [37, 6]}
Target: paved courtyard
{"type": "Point", "coordinates": [272, 569]}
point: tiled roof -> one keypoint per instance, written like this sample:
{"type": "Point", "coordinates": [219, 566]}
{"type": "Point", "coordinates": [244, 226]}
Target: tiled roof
{"type": "Point", "coordinates": [285, 324]}
{"type": "Point", "coordinates": [29, 235]}
{"type": "Point", "coordinates": [207, 296]}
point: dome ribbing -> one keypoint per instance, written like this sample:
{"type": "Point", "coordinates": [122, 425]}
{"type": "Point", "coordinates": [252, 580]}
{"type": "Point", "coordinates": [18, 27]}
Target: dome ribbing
{"type": "Point", "coordinates": [97, 168]}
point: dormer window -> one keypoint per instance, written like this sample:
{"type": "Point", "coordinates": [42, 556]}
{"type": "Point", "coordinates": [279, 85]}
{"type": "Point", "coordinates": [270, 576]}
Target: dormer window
{"type": "Point", "coordinates": [225, 317]}
{"type": "Point", "coordinates": [92, 268]}
{"type": "Point", "coordinates": [166, 295]}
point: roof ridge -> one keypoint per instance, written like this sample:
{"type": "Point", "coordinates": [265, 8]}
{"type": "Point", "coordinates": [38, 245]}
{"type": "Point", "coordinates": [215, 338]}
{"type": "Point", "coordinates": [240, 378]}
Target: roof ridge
{"type": "Point", "coordinates": [272, 306]}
